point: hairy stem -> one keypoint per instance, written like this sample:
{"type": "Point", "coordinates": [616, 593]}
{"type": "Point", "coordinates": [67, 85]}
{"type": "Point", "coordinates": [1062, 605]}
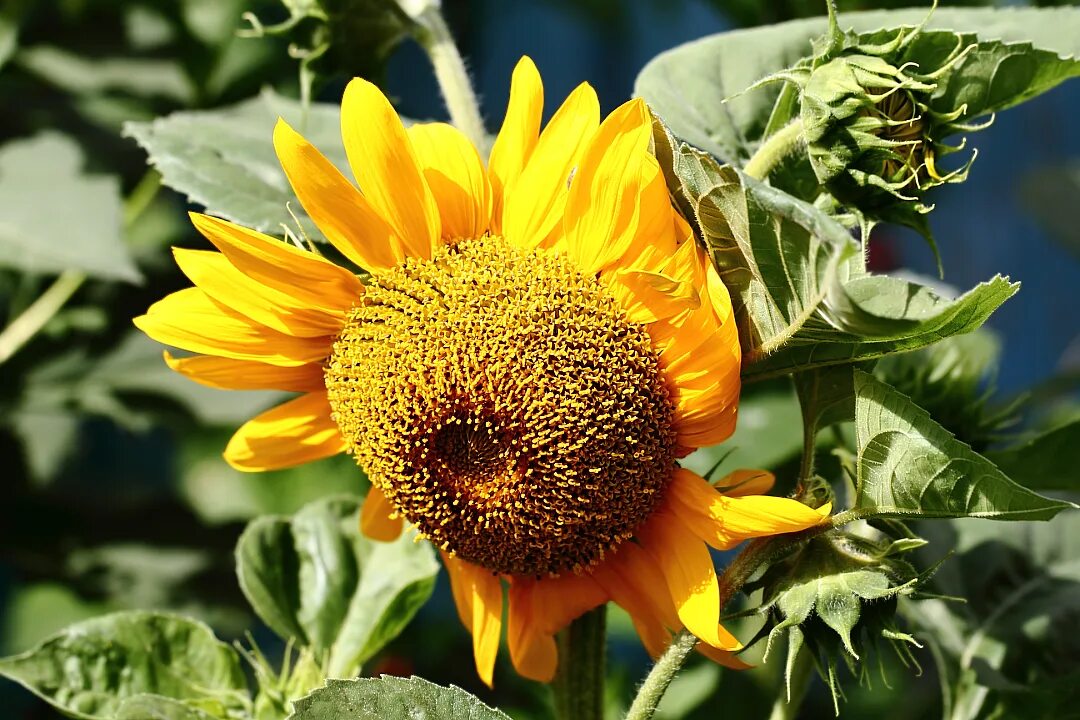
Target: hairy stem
{"type": "Point", "coordinates": [754, 556]}
{"type": "Point", "coordinates": [776, 147]}
{"type": "Point", "coordinates": [434, 35]}
{"type": "Point", "coordinates": [40, 312]}
{"type": "Point", "coordinates": [579, 684]}
{"type": "Point", "coordinates": [663, 672]}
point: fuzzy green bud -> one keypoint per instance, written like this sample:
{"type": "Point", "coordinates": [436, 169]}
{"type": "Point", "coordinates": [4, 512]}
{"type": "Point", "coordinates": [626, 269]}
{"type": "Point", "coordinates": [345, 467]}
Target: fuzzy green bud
{"type": "Point", "coordinates": [874, 121]}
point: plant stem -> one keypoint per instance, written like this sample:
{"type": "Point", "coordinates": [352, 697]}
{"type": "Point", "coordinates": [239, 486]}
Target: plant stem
{"type": "Point", "coordinates": [663, 672]}
{"type": "Point", "coordinates": [40, 312]}
{"type": "Point", "coordinates": [434, 35]}
{"type": "Point", "coordinates": [579, 683]}
{"type": "Point", "coordinates": [777, 147]}
{"type": "Point", "coordinates": [756, 554]}
{"type": "Point", "coordinates": [24, 327]}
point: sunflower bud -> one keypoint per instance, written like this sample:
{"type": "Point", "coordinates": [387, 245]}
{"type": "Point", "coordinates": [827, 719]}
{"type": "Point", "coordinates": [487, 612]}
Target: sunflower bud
{"type": "Point", "coordinates": [836, 598]}
{"type": "Point", "coordinates": [873, 122]}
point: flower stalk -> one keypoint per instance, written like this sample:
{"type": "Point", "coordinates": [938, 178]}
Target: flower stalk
{"type": "Point", "coordinates": [772, 152]}
{"type": "Point", "coordinates": [579, 684]}
{"type": "Point", "coordinates": [434, 36]}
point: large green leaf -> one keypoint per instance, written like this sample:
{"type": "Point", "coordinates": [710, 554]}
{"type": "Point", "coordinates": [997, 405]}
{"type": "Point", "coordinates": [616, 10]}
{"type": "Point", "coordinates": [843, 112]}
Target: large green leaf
{"type": "Point", "coordinates": [1048, 461]}
{"type": "Point", "coordinates": [695, 87]}
{"type": "Point", "coordinates": [53, 217]}
{"type": "Point", "coordinates": [779, 257]}
{"type": "Point", "coordinates": [871, 316]}
{"type": "Point", "coordinates": [908, 465]}
{"type": "Point", "coordinates": [315, 578]}
{"type": "Point", "coordinates": [391, 698]}
{"type": "Point", "coordinates": [88, 670]}
{"type": "Point", "coordinates": [799, 289]}
{"type": "Point", "coordinates": [224, 159]}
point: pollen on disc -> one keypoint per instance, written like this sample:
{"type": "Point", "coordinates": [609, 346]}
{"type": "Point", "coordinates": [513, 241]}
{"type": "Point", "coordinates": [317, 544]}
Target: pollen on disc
{"type": "Point", "coordinates": [504, 404]}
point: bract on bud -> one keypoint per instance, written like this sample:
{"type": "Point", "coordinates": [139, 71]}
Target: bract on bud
{"type": "Point", "coordinates": [836, 597]}
{"type": "Point", "coordinates": [873, 122]}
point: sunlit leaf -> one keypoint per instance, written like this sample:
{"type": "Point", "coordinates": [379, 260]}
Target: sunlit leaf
{"type": "Point", "coordinates": [875, 315]}
{"type": "Point", "coordinates": [90, 668]}
{"type": "Point", "coordinates": [688, 85]}
{"type": "Point", "coordinates": [801, 295]}
{"type": "Point", "coordinates": [53, 217]}
{"type": "Point", "coordinates": [224, 159]}
{"type": "Point", "coordinates": [908, 465]}
{"type": "Point", "coordinates": [778, 256]}
{"type": "Point", "coordinates": [315, 578]}
{"type": "Point", "coordinates": [391, 698]}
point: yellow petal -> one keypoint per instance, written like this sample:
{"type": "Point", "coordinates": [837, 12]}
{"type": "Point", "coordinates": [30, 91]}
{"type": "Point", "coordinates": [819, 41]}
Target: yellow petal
{"type": "Point", "coordinates": [533, 652]}
{"type": "Point", "coordinates": [648, 296]}
{"type": "Point", "coordinates": [229, 374]}
{"type": "Point", "coordinates": [375, 520]}
{"type": "Point", "coordinates": [293, 433]}
{"type": "Point", "coordinates": [218, 278]}
{"type": "Point", "coordinates": [635, 582]}
{"type": "Point", "coordinates": [516, 140]}
{"type": "Point", "coordinates": [454, 172]}
{"type": "Point", "coordinates": [689, 574]}
{"type": "Point", "coordinates": [385, 166]}
{"type": "Point", "coordinates": [724, 522]}
{"type": "Point", "coordinates": [535, 206]}
{"type": "Point", "coordinates": [307, 277]}
{"type": "Point", "coordinates": [190, 320]}
{"type": "Point", "coordinates": [335, 205]}
{"type": "Point", "coordinates": [478, 597]}
{"type": "Point", "coordinates": [745, 482]}
{"type": "Point", "coordinates": [605, 199]}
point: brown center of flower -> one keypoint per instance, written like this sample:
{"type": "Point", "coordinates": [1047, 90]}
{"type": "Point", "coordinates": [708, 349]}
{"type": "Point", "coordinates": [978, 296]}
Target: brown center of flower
{"type": "Point", "coordinates": [504, 404]}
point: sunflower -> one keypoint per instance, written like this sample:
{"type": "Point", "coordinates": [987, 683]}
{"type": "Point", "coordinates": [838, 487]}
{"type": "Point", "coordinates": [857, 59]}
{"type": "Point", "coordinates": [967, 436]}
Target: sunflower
{"type": "Point", "coordinates": [531, 348]}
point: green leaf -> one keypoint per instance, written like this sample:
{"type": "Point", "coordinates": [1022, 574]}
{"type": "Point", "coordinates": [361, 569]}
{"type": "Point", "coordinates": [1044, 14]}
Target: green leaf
{"type": "Point", "coordinates": [53, 217]}
{"type": "Point", "coordinates": [391, 698]}
{"type": "Point", "coordinates": [86, 75]}
{"type": "Point", "coordinates": [1046, 462]}
{"type": "Point", "coordinates": [224, 159]}
{"type": "Point", "coordinates": [779, 256]}
{"type": "Point", "coordinates": [9, 36]}
{"type": "Point", "coordinates": [315, 578]}
{"type": "Point", "coordinates": [871, 316]}
{"type": "Point", "coordinates": [157, 707]}
{"type": "Point", "coordinates": [800, 292]}
{"type": "Point", "coordinates": [89, 669]}
{"type": "Point", "coordinates": [908, 465]}
{"type": "Point", "coordinates": [695, 87]}
{"type": "Point", "coordinates": [826, 395]}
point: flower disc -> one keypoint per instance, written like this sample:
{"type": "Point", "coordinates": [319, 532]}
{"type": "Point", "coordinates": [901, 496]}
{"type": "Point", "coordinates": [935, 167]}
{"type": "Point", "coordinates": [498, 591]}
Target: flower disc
{"type": "Point", "coordinates": [504, 404]}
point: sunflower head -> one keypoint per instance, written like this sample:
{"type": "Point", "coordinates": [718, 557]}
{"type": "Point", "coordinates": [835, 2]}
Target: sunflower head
{"type": "Point", "coordinates": [534, 343]}
{"type": "Point", "coordinates": [502, 400]}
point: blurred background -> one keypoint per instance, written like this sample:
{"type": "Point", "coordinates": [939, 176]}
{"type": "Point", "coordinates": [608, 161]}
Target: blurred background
{"type": "Point", "coordinates": [116, 495]}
